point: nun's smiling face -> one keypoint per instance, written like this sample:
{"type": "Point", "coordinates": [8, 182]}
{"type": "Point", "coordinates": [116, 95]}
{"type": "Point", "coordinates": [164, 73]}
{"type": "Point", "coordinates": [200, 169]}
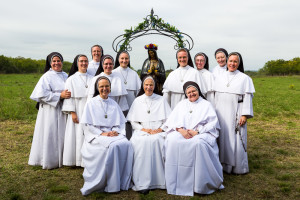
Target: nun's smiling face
{"type": "Point", "coordinates": [200, 62]}
{"type": "Point", "coordinates": [221, 59]}
{"type": "Point", "coordinates": [56, 64]}
{"type": "Point", "coordinates": [182, 58]}
{"type": "Point", "coordinates": [96, 53]}
{"type": "Point", "coordinates": [107, 66]}
{"type": "Point", "coordinates": [149, 87]}
{"type": "Point", "coordinates": [124, 60]}
{"type": "Point", "coordinates": [192, 94]}
{"type": "Point", "coordinates": [103, 88]}
{"type": "Point", "coordinates": [233, 63]}
{"type": "Point", "coordinates": [82, 64]}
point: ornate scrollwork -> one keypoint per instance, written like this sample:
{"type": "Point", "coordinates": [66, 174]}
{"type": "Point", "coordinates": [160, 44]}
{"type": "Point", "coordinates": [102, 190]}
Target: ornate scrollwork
{"type": "Point", "coordinates": [151, 25]}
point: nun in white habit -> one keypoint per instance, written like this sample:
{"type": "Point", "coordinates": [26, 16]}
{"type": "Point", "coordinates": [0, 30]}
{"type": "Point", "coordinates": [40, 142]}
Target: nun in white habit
{"type": "Point", "coordinates": [147, 114]}
{"type": "Point", "coordinates": [202, 64]}
{"type": "Point", "coordinates": [106, 153]}
{"type": "Point", "coordinates": [49, 92]}
{"type": "Point", "coordinates": [118, 88]}
{"type": "Point", "coordinates": [77, 84]}
{"type": "Point", "coordinates": [233, 100]}
{"type": "Point", "coordinates": [129, 77]}
{"type": "Point", "coordinates": [97, 53]}
{"type": "Point", "coordinates": [221, 56]}
{"type": "Point", "coordinates": [172, 88]}
{"type": "Point", "coordinates": [192, 155]}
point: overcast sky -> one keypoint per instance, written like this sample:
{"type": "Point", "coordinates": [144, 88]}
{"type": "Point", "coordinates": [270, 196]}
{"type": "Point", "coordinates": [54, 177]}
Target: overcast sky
{"type": "Point", "coordinates": [261, 30]}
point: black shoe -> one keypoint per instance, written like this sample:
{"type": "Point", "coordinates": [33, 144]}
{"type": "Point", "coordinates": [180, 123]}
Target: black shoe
{"type": "Point", "coordinates": [144, 192]}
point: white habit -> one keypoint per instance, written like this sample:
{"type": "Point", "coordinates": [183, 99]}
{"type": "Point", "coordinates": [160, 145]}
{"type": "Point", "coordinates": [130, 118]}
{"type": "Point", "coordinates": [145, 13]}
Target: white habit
{"type": "Point", "coordinates": [77, 84]}
{"type": "Point", "coordinates": [217, 71]}
{"type": "Point", "coordinates": [131, 81]}
{"type": "Point", "coordinates": [231, 103]}
{"type": "Point", "coordinates": [48, 138]}
{"type": "Point", "coordinates": [173, 86]}
{"type": "Point", "coordinates": [93, 67]}
{"type": "Point", "coordinates": [192, 165]}
{"type": "Point", "coordinates": [107, 160]}
{"type": "Point", "coordinates": [118, 89]}
{"type": "Point", "coordinates": [208, 80]}
{"type": "Point", "coordinates": [149, 112]}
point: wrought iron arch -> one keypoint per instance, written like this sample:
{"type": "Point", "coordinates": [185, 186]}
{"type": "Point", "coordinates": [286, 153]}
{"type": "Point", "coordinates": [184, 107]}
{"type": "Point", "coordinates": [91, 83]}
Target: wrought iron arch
{"type": "Point", "coordinates": [152, 25]}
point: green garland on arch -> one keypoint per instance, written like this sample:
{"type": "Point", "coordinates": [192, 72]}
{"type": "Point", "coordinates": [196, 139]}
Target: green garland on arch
{"type": "Point", "coordinates": [152, 24]}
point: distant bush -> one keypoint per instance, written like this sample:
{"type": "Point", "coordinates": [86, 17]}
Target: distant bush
{"type": "Point", "coordinates": [251, 73]}
{"type": "Point", "coordinates": [20, 65]}
{"type": "Point", "coordinates": [281, 67]}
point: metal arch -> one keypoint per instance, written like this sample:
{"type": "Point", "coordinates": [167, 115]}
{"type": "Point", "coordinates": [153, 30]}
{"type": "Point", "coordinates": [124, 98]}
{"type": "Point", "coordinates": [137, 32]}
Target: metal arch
{"type": "Point", "coordinates": [152, 26]}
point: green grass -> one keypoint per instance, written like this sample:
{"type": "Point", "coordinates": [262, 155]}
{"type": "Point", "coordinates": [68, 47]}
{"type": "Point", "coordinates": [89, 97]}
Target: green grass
{"type": "Point", "coordinates": [273, 148]}
{"type": "Point", "coordinates": [14, 99]}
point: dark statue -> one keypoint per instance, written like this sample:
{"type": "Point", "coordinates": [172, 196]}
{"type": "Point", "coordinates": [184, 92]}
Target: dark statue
{"type": "Point", "coordinates": [154, 66]}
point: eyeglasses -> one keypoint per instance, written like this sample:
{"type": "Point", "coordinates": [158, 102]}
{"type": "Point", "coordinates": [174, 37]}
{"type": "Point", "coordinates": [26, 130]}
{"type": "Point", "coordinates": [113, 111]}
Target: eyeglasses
{"type": "Point", "coordinates": [107, 64]}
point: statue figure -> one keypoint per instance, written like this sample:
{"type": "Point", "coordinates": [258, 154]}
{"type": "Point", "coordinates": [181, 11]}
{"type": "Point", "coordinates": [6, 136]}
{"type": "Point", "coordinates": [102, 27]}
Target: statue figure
{"type": "Point", "coordinates": [154, 67]}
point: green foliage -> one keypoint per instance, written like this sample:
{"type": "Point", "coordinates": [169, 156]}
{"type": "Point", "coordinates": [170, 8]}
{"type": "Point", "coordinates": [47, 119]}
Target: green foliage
{"type": "Point", "coordinates": [153, 23]}
{"type": "Point", "coordinates": [281, 67]}
{"type": "Point", "coordinates": [20, 65]}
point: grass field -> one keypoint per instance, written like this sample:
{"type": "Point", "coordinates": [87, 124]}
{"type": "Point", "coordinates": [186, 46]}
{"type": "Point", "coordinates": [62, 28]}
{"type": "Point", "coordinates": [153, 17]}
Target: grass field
{"type": "Point", "coordinates": [273, 148]}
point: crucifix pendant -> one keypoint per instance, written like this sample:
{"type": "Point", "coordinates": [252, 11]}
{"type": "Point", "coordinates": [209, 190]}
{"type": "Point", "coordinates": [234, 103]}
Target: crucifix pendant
{"type": "Point", "coordinates": [86, 86]}
{"type": "Point", "coordinates": [105, 116]}
{"type": "Point", "coordinates": [228, 85]}
{"type": "Point", "coordinates": [181, 80]}
{"type": "Point", "coordinates": [191, 111]}
{"type": "Point", "coordinates": [125, 82]}
{"type": "Point", "coordinates": [148, 111]}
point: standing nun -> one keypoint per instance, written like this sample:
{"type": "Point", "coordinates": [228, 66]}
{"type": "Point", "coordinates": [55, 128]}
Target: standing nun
{"type": "Point", "coordinates": [131, 81]}
{"type": "Point", "coordinates": [107, 154]}
{"type": "Point", "coordinates": [233, 100]}
{"type": "Point", "coordinates": [49, 92]}
{"type": "Point", "coordinates": [192, 154]}
{"type": "Point", "coordinates": [147, 114]}
{"type": "Point", "coordinates": [118, 88]}
{"type": "Point", "coordinates": [221, 56]}
{"type": "Point", "coordinates": [129, 77]}
{"type": "Point", "coordinates": [77, 84]}
{"type": "Point", "coordinates": [97, 53]}
{"type": "Point", "coordinates": [202, 64]}
{"type": "Point", "coordinates": [172, 88]}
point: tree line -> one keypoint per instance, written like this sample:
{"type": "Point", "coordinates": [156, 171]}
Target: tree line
{"type": "Point", "coordinates": [20, 65]}
{"type": "Point", "coordinates": [281, 67]}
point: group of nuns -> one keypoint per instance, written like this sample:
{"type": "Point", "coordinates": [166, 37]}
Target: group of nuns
{"type": "Point", "coordinates": [102, 117]}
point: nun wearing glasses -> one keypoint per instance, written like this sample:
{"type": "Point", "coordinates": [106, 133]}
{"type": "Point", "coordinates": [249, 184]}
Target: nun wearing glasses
{"type": "Point", "coordinates": [192, 155]}
{"type": "Point", "coordinates": [77, 83]}
{"type": "Point", "coordinates": [106, 153]}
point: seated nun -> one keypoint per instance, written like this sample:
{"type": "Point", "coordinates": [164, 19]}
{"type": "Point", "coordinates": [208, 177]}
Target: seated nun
{"type": "Point", "coordinates": [118, 88]}
{"type": "Point", "coordinates": [106, 153]}
{"type": "Point", "coordinates": [147, 114]}
{"type": "Point", "coordinates": [192, 155]}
